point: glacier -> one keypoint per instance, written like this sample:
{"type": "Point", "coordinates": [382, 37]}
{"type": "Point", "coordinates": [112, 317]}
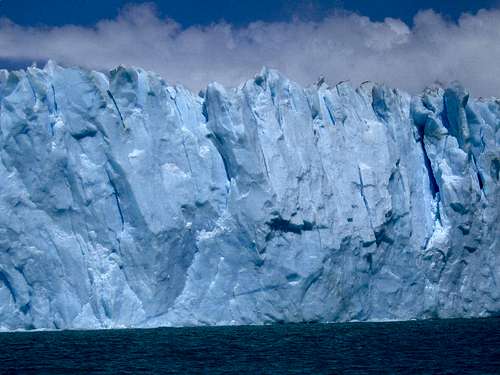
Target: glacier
{"type": "Point", "coordinates": [129, 202]}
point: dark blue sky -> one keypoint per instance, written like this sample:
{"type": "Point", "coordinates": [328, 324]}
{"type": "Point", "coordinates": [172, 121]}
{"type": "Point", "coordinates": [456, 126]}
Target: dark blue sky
{"type": "Point", "coordinates": [237, 12]}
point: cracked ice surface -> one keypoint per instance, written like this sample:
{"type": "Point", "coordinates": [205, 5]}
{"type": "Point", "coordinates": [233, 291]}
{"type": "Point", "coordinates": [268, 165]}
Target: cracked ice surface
{"type": "Point", "coordinates": [125, 201]}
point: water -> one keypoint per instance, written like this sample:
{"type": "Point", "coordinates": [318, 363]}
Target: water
{"type": "Point", "coordinates": [444, 347]}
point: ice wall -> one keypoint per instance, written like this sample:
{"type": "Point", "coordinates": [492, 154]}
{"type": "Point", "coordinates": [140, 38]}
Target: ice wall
{"type": "Point", "coordinates": [125, 201]}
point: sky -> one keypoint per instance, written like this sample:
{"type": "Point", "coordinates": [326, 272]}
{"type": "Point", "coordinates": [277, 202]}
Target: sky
{"type": "Point", "coordinates": [405, 44]}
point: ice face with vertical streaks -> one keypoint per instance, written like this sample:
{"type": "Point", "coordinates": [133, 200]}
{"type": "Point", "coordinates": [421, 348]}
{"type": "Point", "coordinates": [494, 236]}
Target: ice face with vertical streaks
{"type": "Point", "coordinates": [125, 201]}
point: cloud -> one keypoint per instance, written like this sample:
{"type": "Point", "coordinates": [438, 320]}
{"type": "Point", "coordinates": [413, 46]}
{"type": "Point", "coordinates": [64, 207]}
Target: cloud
{"type": "Point", "coordinates": [341, 46]}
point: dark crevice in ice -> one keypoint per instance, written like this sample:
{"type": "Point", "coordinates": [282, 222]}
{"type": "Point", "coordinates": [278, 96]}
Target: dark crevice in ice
{"type": "Point", "coordinates": [117, 109]}
{"type": "Point", "coordinates": [54, 98]}
{"type": "Point", "coordinates": [84, 134]}
{"type": "Point", "coordinates": [204, 111]}
{"type": "Point", "coordinates": [330, 114]}
{"type": "Point", "coordinates": [262, 289]}
{"type": "Point", "coordinates": [444, 117]}
{"type": "Point", "coordinates": [381, 236]}
{"type": "Point", "coordinates": [495, 169]}
{"type": "Point", "coordinates": [279, 224]}
{"type": "Point", "coordinates": [5, 280]}
{"type": "Point", "coordinates": [434, 187]}
{"type": "Point", "coordinates": [187, 156]}
{"type": "Point", "coordinates": [117, 199]}
{"type": "Point", "coordinates": [480, 178]}
{"type": "Point", "coordinates": [365, 201]}
{"type": "Point", "coordinates": [25, 308]}
{"type": "Point", "coordinates": [218, 143]}
{"type": "Point", "coordinates": [428, 165]}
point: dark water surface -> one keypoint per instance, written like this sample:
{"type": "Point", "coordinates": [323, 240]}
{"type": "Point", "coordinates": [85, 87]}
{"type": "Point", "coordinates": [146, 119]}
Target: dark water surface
{"type": "Point", "coordinates": [427, 347]}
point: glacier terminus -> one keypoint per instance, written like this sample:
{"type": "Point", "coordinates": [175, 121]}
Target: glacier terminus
{"type": "Point", "coordinates": [129, 202]}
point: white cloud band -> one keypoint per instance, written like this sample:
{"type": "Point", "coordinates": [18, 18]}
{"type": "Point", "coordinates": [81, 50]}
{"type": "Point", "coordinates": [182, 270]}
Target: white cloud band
{"type": "Point", "coordinates": [340, 47]}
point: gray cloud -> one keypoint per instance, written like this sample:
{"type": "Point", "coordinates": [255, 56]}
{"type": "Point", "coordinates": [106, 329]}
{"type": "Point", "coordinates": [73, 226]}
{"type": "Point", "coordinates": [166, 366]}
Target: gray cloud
{"type": "Point", "coordinates": [340, 47]}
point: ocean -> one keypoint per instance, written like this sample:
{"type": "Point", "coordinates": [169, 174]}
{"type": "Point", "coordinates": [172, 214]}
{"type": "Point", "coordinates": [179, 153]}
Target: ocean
{"type": "Point", "coordinates": [455, 346]}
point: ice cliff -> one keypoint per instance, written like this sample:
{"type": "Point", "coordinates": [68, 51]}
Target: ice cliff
{"type": "Point", "coordinates": [125, 201]}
